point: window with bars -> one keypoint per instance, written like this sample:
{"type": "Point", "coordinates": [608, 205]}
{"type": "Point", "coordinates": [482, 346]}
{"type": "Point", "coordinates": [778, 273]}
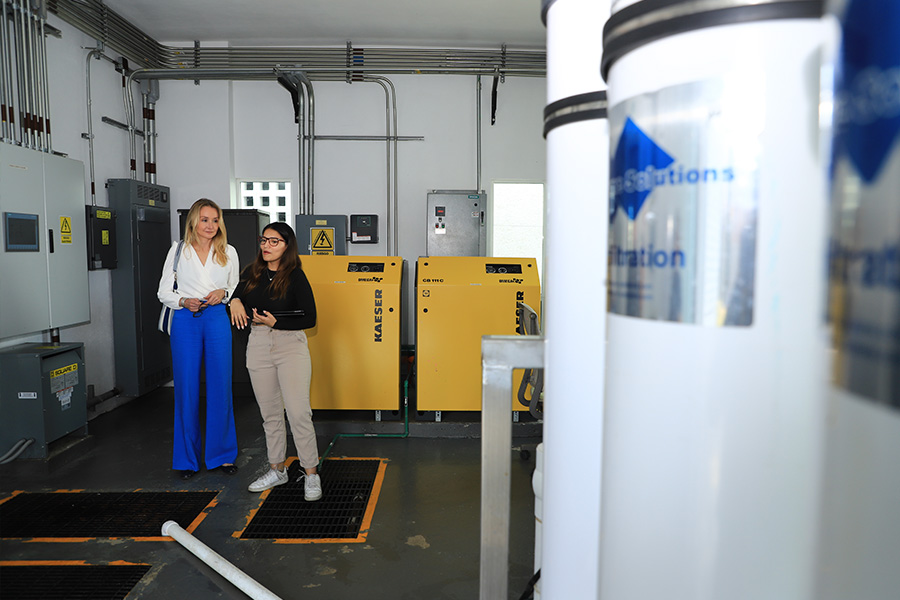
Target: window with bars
{"type": "Point", "coordinates": [254, 194]}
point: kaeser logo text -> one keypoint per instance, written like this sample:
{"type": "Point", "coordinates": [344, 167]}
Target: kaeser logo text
{"type": "Point", "coordinates": [378, 312]}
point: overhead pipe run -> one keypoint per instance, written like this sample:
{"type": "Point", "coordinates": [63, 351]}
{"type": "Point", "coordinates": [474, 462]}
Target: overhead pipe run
{"type": "Point", "coordinates": [95, 19]}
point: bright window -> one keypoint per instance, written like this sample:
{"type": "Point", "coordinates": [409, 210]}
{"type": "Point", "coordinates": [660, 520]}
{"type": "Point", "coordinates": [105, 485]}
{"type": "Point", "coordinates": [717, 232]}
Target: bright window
{"type": "Point", "coordinates": [517, 219]}
{"type": "Point", "coordinates": [255, 195]}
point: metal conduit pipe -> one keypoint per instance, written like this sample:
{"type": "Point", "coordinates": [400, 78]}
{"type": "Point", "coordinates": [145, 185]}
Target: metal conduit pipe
{"type": "Point", "coordinates": [241, 580]}
{"type": "Point", "coordinates": [34, 81]}
{"type": "Point", "coordinates": [46, 85]}
{"type": "Point", "coordinates": [22, 76]}
{"type": "Point", "coordinates": [311, 151]}
{"type": "Point", "coordinates": [41, 82]}
{"type": "Point", "coordinates": [94, 53]}
{"type": "Point", "coordinates": [4, 123]}
{"type": "Point", "coordinates": [28, 76]}
{"type": "Point", "coordinates": [388, 159]}
{"type": "Point", "coordinates": [96, 20]}
{"type": "Point", "coordinates": [392, 216]}
{"type": "Point", "coordinates": [11, 85]}
{"type": "Point", "coordinates": [478, 134]}
{"type": "Point", "coordinates": [145, 109]}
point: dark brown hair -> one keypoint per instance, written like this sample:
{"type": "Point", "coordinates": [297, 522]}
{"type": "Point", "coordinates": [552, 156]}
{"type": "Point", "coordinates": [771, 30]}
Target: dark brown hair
{"type": "Point", "coordinates": [290, 260]}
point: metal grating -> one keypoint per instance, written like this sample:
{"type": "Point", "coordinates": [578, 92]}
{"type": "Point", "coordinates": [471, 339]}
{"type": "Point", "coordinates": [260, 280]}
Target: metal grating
{"type": "Point", "coordinates": [347, 487]}
{"type": "Point", "coordinates": [69, 582]}
{"type": "Point", "coordinates": [101, 514]}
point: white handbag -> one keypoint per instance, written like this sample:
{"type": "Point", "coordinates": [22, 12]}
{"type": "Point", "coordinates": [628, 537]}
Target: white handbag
{"type": "Point", "coordinates": [166, 314]}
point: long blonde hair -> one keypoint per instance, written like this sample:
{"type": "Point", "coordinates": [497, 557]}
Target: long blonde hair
{"type": "Point", "coordinates": [219, 242]}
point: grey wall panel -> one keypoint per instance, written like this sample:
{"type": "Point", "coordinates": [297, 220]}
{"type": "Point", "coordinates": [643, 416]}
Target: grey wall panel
{"type": "Point", "coordinates": [24, 294]}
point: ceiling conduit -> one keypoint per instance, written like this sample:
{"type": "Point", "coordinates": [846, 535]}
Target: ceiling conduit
{"type": "Point", "coordinates": [95, 19]}
{"type": "Point", "coordinates": [292, 80]}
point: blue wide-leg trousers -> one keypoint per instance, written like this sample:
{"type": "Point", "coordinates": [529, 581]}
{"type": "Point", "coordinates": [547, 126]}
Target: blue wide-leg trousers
{"type": "Point", "coordinates": [198, 341]}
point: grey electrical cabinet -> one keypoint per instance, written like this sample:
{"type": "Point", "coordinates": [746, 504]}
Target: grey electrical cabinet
{"type": "Point", "coordinates": [321, 235]}
{"type": "Point", "coordinates": [142, 354]}
{"type": "Point", "coordinates": [43, 395]}
{"type": "Point", "coordinates": [455, 223]}
{"type": "Point", "coordinates": [43, 242]}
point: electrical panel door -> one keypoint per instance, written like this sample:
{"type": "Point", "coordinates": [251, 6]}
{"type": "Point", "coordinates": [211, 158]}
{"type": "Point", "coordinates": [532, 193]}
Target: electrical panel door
{"type": "Point", "coordinates": [455, 223]}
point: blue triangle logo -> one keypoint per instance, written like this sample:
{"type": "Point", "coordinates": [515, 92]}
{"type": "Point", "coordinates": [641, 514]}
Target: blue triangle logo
{"type": "Point", "coordinates": [868, 110]}
{"type": "Point", "coordinates": [631, 172]}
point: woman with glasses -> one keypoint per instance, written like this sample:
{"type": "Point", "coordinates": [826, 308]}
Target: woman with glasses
{"type": "Point", "coordinates": [276, 298]}
{"type": "Point", "coordinates": [206, 274]}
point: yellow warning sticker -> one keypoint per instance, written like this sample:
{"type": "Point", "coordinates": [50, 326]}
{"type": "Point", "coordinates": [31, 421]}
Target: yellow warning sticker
{"type": "Point", "coordinates": [104, 214]}
{"type": "Point", "coordinates": [58, 372]}
{"type": "Point", "coordinates": [65, 230]}
{"type": "Point", "coordinates": [104, 237]}
{"type": "Point", "coordinates": [322, 241]}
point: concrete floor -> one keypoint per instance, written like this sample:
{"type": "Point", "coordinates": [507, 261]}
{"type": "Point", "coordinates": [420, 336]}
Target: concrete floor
{"type": "Point", "coordinates": [423, 542]}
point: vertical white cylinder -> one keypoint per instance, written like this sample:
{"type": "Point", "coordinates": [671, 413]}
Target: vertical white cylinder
{"type": "Point", "coordinates": [716, 362]}
{"type": "Point", "coordinates": [860, 547]}
{"type": "Point", "coordinates": [574, 299]}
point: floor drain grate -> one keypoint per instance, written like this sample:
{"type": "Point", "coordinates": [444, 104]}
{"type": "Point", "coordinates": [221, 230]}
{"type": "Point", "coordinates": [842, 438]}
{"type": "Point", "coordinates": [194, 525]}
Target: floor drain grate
{"type": "Point", "coordinates": [98, 514]}
{"type": "Point", "coordinates": [349, 493]}
{"type": "Point", "coordinates": [53, 582]}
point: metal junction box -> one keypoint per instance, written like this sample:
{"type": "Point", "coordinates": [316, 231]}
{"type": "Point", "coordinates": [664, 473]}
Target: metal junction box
{"type": "Point", "coordinates": [455, 223]}
{"type": "Point", "coordinates": [321, 235]}
{"type": "Point", "coordinates": [43, 395]}
{"type": "Point", "coordinates": [355, 346]}
{"type": "Point", "coordinates": [459, 300]}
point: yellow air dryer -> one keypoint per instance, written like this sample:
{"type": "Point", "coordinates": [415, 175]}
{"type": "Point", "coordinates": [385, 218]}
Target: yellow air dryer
{"type": "Point", "coordinates": [355, 345]}
{"type": "Point", "coordinates": [459, 299]}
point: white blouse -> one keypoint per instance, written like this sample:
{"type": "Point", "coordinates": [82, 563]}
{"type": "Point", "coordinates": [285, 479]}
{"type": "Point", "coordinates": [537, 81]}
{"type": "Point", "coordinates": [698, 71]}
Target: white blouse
{"type": "Point", "coordinates": [196, 280]}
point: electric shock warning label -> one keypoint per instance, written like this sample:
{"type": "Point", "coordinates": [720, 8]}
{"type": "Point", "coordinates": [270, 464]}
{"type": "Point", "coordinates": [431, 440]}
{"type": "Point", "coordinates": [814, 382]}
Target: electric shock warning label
{"type": "Point", "coordinates": [683, 206]}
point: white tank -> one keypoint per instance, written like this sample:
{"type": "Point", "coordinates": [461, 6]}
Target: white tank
{"type": "Point", "coordinates": [716, 357]}
{"type": "Point", "coordinates": [860, 545]}
{"type": "Point", "coordinates": [574, 317]}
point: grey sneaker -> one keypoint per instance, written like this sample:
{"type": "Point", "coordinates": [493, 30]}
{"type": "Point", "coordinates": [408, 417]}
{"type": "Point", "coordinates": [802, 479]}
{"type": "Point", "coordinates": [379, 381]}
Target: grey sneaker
{"type": "Point", "coordinates": [268, 480]}
{"type": "Point", "coordinates": [312, 487]}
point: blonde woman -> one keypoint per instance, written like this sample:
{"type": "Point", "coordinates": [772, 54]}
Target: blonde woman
{"type": "Point", "coordinates": [207, 274]}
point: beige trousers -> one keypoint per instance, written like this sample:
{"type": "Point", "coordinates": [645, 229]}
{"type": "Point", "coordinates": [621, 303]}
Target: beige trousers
{"type": "Point", "coordinates": [280, 370]}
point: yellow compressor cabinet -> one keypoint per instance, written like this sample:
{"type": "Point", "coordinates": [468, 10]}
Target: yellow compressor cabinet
{"type": "Point", "coordinates": [355, 345]}
{"type": "Point", "coordinates": [459, 299]}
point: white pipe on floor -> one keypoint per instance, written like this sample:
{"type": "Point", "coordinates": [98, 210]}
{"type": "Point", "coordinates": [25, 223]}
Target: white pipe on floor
{"type": "Point", "coordinates": [224, 568]}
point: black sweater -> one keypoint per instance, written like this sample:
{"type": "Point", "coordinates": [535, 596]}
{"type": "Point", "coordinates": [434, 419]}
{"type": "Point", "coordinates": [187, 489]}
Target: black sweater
{"type": "Point", "coordinates": [299, 297]}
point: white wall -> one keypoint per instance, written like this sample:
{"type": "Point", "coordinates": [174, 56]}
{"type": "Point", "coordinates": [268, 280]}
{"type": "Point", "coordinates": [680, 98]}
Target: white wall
{"type": "Point", "coordinates": [212, 133]}
{"type": "Point", "coordinates": [350, 176]}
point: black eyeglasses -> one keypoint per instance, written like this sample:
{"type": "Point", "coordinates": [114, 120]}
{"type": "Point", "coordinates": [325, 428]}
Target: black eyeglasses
{"type": "Point", "coordinates": [270, 241]}
{"type": "Point", "coordinates": [201, 309]}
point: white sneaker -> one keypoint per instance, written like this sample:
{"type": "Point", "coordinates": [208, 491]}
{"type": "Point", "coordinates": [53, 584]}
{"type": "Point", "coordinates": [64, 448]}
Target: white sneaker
{"type": "Point", "coordinates": [312, 487]}
{"type": "Point", "coordinates": [268, 480]}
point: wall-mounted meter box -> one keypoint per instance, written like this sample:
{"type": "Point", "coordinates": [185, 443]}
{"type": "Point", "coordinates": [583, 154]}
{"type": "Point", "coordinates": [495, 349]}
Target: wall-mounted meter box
{"type": "Point", "coordinates": [363, 229]}
{"type": "Point", "coordinates": [101, 230]}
